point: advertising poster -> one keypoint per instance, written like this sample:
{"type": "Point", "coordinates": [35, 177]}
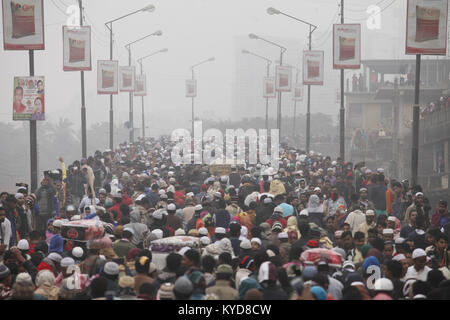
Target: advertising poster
{"type": "Point", "coordinates": [126, 78]}
{"type": "Point", "coordinates": [284, 79]}
{"type": "Point", "coordinates": [23, 24]}
{"type": "Point", "coordinates": [107, 77]}
{"type": "Point", "coordinates": [77, 48]}
{"type": "Point", "coordinates": [269, 88]}
{"type": "Point", "coordinates": [29, 99]}
{"type": "Point", "coordinates": [313, 67]}
{"type": "Point", "coordinates": [141, 86]}
{"type": "Point", "coordinates": [347, 46]}
{"type": "Point", "coordinates": [426, 27]}
{"type": "Point", "coordinates": [297, 92]}
{"type": "Point", "coordinates": [191, 88]}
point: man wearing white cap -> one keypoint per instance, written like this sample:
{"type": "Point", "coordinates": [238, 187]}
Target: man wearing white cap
{"type": "Point", "coordinates": [368, 224]}
{"type": "Point", "coordinates": [419, 206]}
{"type": "Point", "coordinates": [418, 271]}
{"type": "Point", "coordinates": [364, 199]}
{"type": "Point", "coordinates": [388, 234]}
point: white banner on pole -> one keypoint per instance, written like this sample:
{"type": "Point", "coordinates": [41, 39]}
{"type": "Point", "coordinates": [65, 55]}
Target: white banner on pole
{"type": "Point", "coordinates": [191, 88]}
{"type": "Point", "coordinates": [347, 46]}
{"type": "Point", "coordinates": [107, 77]}
{"type": "Point", "coordinates": [297, 92]}
{"type": "Point", "coordinates": [269, 88]}
{"type": "Point", "coordinates": [127, 76]}
{"type": "Point", "coordinates": [426, 27]}
{"type": "Point", "coordinates": [23, 25]}
{"type": "Point", "coordinates": [77, 48]}
{"type": "Point", "coordinates": [141, 86]}
{"type": "Point", "coordinates": [283, 79]}
{"type": "Point", "coordinates": [313, 67]}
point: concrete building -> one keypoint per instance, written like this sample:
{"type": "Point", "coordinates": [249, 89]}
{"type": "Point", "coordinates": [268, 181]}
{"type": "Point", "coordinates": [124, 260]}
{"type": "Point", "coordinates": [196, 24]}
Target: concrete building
{"type": "Point", "coordinates": [379, 112]}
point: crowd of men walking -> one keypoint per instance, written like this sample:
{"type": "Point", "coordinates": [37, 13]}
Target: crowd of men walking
{"type": "Point", "coordinates": [255, 227]}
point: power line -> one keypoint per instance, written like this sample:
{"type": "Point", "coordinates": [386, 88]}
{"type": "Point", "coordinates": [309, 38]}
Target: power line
{"type": "Point", "coordinates": [59, 9]}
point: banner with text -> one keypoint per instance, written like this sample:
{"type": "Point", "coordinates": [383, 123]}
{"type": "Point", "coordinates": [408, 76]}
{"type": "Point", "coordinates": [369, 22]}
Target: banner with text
{"type": "Point", "coordinates": [269, 88]}
{"type": "Point", "coordinates": [191, 88]}
{"type": "Point", "coordinates": [141, 86]}
{"type": "Point", "coordinates": [77, 48]}
{"type": "Point", "coordinates": [297, 92]}
{"type": "Point", "coordinates": [426, 27]}
{"type": "Point", "coordinates": [313, 67]}
{"type": "Point", "coordinates": [127, 76]}
{"type": "Point", "coordinates": [283, 79]}
{"type": "Point", "coordinates": [23, 25]}
{"type": "Point", "coordinates": [29, 93]}
{"type": "Point", "coordinates": [347, 46]}
{"type": "Point", "coordinates": [107, 77]}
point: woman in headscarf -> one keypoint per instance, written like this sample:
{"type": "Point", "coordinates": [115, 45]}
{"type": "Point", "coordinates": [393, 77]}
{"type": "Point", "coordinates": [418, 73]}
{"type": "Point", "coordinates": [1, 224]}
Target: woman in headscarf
{"type": "Point", "coordinates": [46, 285]}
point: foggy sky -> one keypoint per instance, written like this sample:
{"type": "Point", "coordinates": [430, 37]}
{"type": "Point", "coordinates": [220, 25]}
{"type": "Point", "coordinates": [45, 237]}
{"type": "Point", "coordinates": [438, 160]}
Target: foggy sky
{"type": "Point", "coordinates": [194, 30]}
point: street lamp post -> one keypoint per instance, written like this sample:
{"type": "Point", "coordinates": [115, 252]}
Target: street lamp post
{"type": "Point", "coordinates": [109, 25]}
{"type": "Point", "coordinates": [294, 127]}
{"type": "Point", "coordinates": [193, 78]}
{"type": "Point", "coordinates": [128, 47]}
{"type": "Point", "coordinates": [142, 72]}
{"type": "Point", "coordinates": [312, 28]}
{"type": "Point", "coordinates": [269, 63]}
{"type": "Point", "coordinates": [283, 50]}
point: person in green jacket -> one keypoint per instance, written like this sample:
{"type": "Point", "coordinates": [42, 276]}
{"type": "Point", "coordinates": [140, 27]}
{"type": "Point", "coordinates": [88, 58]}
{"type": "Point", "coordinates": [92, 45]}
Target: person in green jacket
{"type": "Point", "coordinates": [123, 246]}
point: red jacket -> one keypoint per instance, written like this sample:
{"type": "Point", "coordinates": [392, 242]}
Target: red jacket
{"type": "Point", "coordinates": [116, 208]}
{"type": "Point", "coordinates": [179, 198]}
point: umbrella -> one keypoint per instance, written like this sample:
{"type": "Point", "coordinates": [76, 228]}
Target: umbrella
{"type": "Point", "coordinates": [288, 210]}
{"type": "Point", "coordinates": [333, 259]}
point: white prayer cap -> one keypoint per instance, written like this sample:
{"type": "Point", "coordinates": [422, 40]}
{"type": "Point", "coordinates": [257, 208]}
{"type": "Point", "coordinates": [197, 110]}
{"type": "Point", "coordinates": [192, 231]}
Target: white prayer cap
{"type": "Point", "coordinates": [399, 257]}
{"type": "Point", "coordinates": [418, 253]}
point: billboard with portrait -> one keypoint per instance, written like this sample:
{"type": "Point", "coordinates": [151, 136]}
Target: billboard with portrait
{"type": "Point", "coordinates": [29, 99]}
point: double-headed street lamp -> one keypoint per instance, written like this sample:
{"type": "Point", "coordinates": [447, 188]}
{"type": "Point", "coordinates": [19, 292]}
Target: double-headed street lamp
{"type": "Point", "coordinates": [193, 78]}
{"type": "Point", "coordinates": [142, 72]}
{"type": "Point", "coordinates": [128, 47]}
{"type": "Point", "coordinates": [283, 50]}
{"type": "Point", "coordinates": [269, 63]}
{"type": "Point", "coordinates": [312, 28]}
{"type": "Point", "coordinates": [109, 25]}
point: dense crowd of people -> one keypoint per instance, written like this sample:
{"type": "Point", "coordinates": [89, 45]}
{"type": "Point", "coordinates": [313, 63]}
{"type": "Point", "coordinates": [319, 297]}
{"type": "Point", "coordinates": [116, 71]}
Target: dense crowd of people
{"type": "Point", "coordinates": [315, 229]}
